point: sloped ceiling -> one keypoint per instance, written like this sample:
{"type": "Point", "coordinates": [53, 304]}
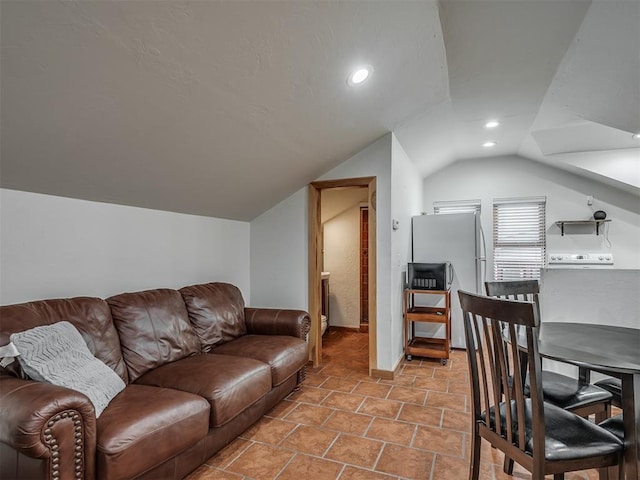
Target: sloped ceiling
{"type": "Point", "coordinates": [562, 77]}
{"type": "Point", "coordinates": [225, 108]}
{"type": "Point", "coordinates": [592, 107]}
{"type": "Point", "coordinates": [502, 57]}
{"type": "Point", "coordinates": [212, 108]}
{"type": "Point", "coordinates": [336, 201]}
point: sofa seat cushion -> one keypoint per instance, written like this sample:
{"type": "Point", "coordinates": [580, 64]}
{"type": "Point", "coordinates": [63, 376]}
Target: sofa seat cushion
{"type": "Point", "coordinates": [230, 384]}
{"type": "Point", "coordinates": [285, 355]}
{"type": "Point", "coordinates": [144, 426]}
{"type": "Point", "coordinates": [567, 436]}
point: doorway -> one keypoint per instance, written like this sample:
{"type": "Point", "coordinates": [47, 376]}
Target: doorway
{"type": "Point", "coordinates": [364, 268]}
{"type": "Point", "coordinates": [316, 262]}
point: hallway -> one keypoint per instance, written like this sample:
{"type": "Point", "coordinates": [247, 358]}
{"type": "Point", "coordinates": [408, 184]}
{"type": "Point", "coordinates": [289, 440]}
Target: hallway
{"type": "Point", "coordinates": [346, 348]}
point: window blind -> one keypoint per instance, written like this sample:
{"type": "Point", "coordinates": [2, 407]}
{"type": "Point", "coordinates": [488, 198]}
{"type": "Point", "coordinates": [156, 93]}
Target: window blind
{"type": "Point", "coordinates": [519, 238]}
{"type": "Point", "coordinates": [457, 206]}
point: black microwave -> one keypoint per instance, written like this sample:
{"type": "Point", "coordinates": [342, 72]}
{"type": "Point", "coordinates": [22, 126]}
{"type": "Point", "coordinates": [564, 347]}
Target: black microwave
{"type": "Point", "coordinates": [429, 276]}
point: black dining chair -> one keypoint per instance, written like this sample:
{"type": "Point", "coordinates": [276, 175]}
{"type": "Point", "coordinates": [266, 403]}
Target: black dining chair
{"type": "Point", "coordinates": [574, 394]}
{"type": "Point", "coordinates": [540, 436]}
{"type": "Point", "coordinates": [614, 387]}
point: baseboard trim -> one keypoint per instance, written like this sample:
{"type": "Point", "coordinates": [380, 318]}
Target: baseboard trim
{"type": "Point", "coordinates": [345, 329]}
{"type": "Point", "coordinates": [385, 374]}
{"type": "Point", "coordinates": [398, 367]}
{"type": "Point", "coordinates": [388, 374]}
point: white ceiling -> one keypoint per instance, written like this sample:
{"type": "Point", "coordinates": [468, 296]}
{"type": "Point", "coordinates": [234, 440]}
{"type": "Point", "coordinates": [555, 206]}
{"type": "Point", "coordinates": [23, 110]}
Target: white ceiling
{"type": "Point", "coordinates": [225, 108]}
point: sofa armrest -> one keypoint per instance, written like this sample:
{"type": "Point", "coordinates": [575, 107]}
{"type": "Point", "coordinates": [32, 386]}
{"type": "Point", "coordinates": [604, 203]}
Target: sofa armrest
{"type": "Point", "coordinates": [273, 321]}
{"type": "Point", "coordinates": [54, 424]}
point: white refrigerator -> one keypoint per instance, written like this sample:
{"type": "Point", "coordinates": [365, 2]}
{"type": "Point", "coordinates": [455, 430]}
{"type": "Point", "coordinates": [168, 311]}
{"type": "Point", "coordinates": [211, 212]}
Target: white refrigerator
{"type": "Point", "coordinates": [456, 238]}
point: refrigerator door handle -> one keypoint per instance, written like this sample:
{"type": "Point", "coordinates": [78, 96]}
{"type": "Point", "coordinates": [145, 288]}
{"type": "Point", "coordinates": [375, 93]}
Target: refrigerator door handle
{"type": "Point", "coordinates": [481, 274]}
{"type": "Point", "coordinates": [483, 246]}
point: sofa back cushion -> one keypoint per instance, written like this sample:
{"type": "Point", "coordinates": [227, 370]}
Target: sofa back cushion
{"type": "Point", "coordinates": [216, 311]}
{"type": "Point", "coordinates": [90, 316]}
{"type": "Point", "coordinates": [154, 329]}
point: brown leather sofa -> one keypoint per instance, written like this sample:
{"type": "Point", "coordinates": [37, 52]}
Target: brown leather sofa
{"type": "Point", "coordinates": [199, 369]}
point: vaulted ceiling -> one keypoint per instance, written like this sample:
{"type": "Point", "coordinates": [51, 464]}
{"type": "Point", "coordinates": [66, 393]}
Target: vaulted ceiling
{"type": "Point", "coordinates": [225, 108]}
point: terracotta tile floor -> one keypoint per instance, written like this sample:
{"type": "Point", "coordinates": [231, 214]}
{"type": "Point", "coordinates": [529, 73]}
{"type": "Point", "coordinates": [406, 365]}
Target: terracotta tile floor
{"type": "Point", "coordinates": [346, 425]}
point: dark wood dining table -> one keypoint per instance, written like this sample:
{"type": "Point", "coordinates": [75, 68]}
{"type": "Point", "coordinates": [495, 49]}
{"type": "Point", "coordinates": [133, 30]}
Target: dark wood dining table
{"type": "Point", "coordinates": [610, 350]}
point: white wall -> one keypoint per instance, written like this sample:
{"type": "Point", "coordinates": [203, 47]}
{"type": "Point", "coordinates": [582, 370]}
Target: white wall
{"type": "Point", "coordinates": [593, 296]}
{"type": "Point", "coordinates": [406, 201]}
{"type": "Point", "coordinates": [375, 161]}
{"type": "Point", "coordinates": [60, 247]}
{"type": "Point", "coordinates": [340, 219]}
{"type": "Point", "coordinates": [342, 261]}
{"type": "Point", "coordinates": [279, 242]}
{"type": "Point", "coordinates": [566, 200]}
{"type": "Point", "coordinates": [279, 256]}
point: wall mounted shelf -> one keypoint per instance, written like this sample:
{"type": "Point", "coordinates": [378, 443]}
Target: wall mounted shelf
{"type": "Point", "coordinates": [562, 223]}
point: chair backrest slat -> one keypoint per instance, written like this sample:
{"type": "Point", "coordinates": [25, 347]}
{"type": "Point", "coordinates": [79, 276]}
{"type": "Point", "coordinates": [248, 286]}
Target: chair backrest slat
{"type": "Point", "coordinates": [494, 364]}
{"type": "Point", "coordinates": [518, 381]}
{"type": "Point", "coordinates": [483, 366]}
{"type": "Point", "coordinates": [535, 381]}
{"type": "Point", "coordinates": [472, 339]}
{"type": "Point", "coordinates": [504, 380]}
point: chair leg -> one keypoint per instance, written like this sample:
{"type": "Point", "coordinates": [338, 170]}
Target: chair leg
{"type": "Point", "coordinates": [614, 473]}
{"type": "Point", "coordinates": [611, 472]}
{"type": "Point", "coordinates": [476, 443]}
{"type": "Point", "coordinates": [508, 465]}
{"type": "Point", "coordinates": [538, 474]}
{"type": "Point", "coordinates": [603, 415]}
{"type": "Point", "coordinates": [558, 476]}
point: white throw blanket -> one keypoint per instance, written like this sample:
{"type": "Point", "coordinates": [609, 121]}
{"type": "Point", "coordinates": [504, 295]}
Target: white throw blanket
{"type": "Point", "coordinates": [57, 354]}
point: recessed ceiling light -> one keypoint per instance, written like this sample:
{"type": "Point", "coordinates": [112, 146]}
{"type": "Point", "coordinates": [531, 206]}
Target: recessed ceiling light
{"type": "Point", "coordinates": [492, 124]}
{"type": "Point", "coordinates": [636, 136]}
{"type": "Point", "coordinates": [489, 144]}
{"type": "Point", "coordinates": [360, 75]}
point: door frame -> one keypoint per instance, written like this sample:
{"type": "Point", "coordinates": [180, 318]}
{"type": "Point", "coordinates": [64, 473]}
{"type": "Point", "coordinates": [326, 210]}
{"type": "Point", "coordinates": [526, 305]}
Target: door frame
{"type": "Point", "coordinates": [315, 261]}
